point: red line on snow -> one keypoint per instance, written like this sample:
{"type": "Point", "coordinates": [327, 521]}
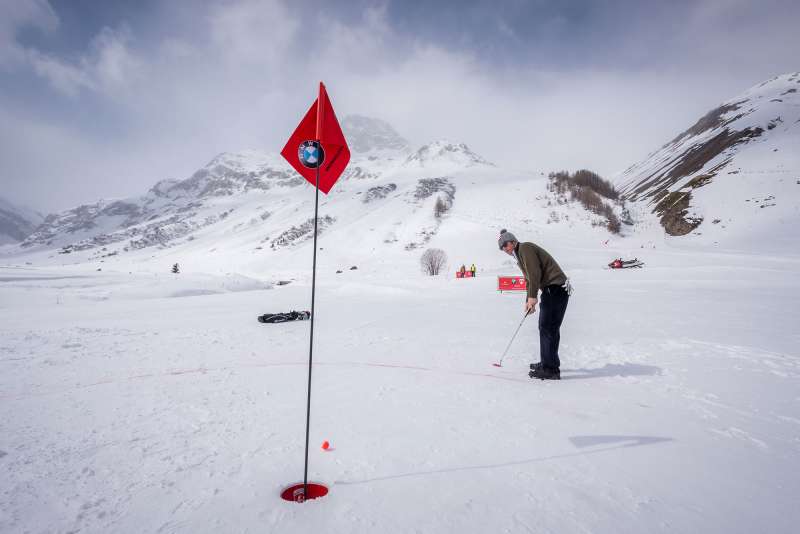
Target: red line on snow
{"type": "Point", "coordinates": [203, 370]}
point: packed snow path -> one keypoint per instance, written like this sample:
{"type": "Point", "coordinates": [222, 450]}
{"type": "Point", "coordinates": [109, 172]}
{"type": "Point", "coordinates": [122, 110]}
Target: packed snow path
{"type": "Point", "coordinates": [129, 408]}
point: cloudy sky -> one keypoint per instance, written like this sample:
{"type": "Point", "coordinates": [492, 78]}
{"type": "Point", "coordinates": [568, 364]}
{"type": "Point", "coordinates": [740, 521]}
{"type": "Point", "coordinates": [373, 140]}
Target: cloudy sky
{"type": "Point", "coordinates": [103, 98]}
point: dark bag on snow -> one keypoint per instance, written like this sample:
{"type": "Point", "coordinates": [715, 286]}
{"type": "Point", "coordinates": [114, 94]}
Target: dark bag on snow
{"type": "Point", "coordinates": [284, 317]}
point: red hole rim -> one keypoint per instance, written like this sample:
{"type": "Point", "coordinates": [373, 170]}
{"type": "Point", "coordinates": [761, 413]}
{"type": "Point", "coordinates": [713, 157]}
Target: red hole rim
{"type": "Point", "coordinates": [295, 493]}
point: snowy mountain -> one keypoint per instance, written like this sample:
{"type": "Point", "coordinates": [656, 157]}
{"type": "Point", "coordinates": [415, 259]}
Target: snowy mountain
{"type": "Point", "coordinates": [736, 171]}
{"type": "Point", "coordinates": [170, 210]}
{"type": "Point", "coordinates": [249, 211]}
{"type": "Point", "coordinates": [175, 209]}
{"type": "Point", "coordinates": [16, 222]}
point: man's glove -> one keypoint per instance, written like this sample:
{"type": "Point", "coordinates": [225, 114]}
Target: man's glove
{"type": "Point", "coordinates": [568, 287]}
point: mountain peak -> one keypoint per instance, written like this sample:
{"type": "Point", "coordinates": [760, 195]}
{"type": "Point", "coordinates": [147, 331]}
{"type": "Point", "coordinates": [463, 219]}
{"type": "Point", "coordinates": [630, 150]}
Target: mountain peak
{"type": "Point", "coordinates": [366, 134]}
{"type": "Point", "coordinates": [443, 151]}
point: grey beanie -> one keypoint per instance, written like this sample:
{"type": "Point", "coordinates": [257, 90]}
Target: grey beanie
{"type": "Point", "coordinates": [505, 236]}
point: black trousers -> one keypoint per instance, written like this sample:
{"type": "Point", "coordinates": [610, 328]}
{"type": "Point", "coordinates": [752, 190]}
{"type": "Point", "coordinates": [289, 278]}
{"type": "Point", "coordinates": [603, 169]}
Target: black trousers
{"type": "Point", "coordinates": [552, 307]}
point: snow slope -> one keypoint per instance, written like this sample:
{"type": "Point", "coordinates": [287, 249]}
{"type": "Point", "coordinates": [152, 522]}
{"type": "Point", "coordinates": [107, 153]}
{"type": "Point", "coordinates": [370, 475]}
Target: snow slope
{"type": "Point", "coordinates": [733, 178]}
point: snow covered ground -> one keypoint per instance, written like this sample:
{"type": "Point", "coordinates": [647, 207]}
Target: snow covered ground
{"type": "Point", "coordinates": [137, 402]}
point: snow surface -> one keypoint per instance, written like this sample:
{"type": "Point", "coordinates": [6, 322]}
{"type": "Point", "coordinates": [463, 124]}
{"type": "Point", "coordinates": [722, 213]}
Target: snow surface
{"type": "Point", "coordinates": [135, 400]}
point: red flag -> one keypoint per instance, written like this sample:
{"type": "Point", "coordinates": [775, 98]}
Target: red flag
{"type": "Point", "coordinates": [318, 142]}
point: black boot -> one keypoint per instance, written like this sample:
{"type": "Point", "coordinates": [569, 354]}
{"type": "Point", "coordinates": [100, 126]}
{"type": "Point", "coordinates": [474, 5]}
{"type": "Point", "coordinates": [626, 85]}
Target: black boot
{"type": "Point", "coordinates": [536, 366]}
{"type": "Point", "coordinates": [545, 373]}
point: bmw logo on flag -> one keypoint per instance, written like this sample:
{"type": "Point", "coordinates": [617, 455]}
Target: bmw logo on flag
{"type": "Point", "coordinates": [311, 154]}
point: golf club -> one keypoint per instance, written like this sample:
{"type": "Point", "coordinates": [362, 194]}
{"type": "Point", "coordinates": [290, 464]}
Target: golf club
{"type": "Point", "coordinates": [500, 363]}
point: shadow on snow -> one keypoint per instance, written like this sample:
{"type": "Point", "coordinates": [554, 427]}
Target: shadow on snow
{"type": "Point", "coordinates": [607, 443]}
{"type": "Point", "coordinates": [612, 369]}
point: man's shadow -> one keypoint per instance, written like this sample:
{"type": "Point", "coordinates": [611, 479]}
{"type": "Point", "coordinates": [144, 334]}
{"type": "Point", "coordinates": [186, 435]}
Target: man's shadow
{"type": "Point", "coordinates": [612, 369]}
{"type": "Point", "coordinates": [601, 443]}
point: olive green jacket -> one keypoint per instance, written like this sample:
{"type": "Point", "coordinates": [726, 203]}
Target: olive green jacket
{"type": "Point", "coordinates": [539, 268]}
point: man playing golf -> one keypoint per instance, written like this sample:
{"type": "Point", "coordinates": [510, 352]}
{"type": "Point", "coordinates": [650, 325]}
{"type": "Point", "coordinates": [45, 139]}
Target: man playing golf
{"type": "Point", "coordinates": [541, 272]}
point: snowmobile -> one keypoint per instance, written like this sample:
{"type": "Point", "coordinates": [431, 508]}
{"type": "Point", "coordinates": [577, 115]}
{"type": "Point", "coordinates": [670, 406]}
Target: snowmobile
{"type": "Point", "coordinates": [619, 263]}
{"type": "Point", "coordinates": [284, 317]}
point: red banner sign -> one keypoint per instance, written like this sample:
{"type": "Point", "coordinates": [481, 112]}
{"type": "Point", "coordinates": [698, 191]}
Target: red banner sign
{"type": "Point", "coordinates": [511, 283]}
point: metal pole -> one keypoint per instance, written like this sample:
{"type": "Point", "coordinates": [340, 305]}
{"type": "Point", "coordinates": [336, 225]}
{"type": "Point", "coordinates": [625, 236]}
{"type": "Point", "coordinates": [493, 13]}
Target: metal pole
{"type": "Point", "coordinates": [311, 335]}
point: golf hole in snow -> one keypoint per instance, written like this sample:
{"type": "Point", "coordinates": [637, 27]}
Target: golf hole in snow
{"type": "Point", "coordinates": [295, 493]}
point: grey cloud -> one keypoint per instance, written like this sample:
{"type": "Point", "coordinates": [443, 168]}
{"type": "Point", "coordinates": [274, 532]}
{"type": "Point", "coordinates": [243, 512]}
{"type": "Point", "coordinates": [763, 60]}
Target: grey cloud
{"type": "Point", "coordinates": [563, 88]}
{"type": "Point", "coordinates": [16, 15]}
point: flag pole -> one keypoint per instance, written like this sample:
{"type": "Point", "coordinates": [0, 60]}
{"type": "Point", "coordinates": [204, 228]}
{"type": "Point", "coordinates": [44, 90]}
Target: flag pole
{"type": "Point", "coordinates": [311, 335]}
{"type": "Point", "coordinates": [313, 292]}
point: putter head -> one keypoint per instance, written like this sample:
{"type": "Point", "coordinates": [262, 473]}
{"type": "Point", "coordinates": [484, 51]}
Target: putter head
{"type": "Point", "coordinates": [497, 365]}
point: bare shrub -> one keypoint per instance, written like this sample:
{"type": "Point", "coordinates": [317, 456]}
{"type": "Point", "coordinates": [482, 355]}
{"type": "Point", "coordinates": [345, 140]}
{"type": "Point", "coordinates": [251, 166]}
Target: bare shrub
{"type": "Point", "coordinates": [625, 216]}
{"type": "Point", "coordinates": [587, 178]}
{"type": "Point", "coordinates": [378, 192]}
{"type": "Point", "coordinates": [563, 181]}
{"type": "Point", "coordinates": [589, 199]}
{"type": "Point", "coordinates": [440, 208]}
{"type": "Point", "coordinates": [427, 187]}
{"type": "Point", "coordinates": [433, 261]}
{"type": "Point", "coordinates": [589, 189]}
{"type": "Point", "coordinates": [613, 226]}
